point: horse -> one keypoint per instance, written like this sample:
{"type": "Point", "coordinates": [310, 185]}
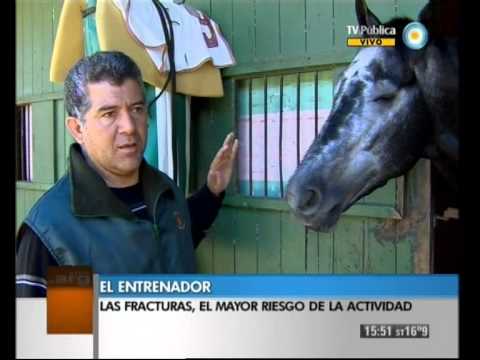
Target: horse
{"type": "Point", "coordinates": [391, 107]}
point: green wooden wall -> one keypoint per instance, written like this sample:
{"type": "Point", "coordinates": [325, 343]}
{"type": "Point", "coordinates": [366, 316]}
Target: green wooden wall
{"type": "Point", "coordinates": [36, 24]}
{"type": "Point", "coordinates": [386, 232]}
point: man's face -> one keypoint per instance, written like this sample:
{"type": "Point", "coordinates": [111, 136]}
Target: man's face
{"type": "Point", "coordinates": [115, 126]}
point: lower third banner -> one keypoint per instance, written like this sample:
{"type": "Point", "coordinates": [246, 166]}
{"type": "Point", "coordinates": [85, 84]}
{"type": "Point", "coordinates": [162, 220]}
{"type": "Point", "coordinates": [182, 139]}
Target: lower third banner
{"type": "Point", "coordinates": [275, 316]}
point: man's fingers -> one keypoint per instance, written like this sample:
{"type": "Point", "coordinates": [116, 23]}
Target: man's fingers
{"type": "Point", "coordinates": [229, 139]}
{"type": "Point", "coordinates": [218, 157]}
{"type": "Point", "coordinates": [227, 152]}
{"type": "Point", "coordinates": [234, 151]}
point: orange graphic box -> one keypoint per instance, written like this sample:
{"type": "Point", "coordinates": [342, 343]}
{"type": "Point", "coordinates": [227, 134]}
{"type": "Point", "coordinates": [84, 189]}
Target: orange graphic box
{"type": "Point", "coordinates": [69, 300]}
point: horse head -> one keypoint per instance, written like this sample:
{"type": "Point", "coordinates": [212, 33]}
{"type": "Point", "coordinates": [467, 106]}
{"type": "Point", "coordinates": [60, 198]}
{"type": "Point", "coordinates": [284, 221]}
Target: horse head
{"type": "Point", "coordinates": [391, 106]}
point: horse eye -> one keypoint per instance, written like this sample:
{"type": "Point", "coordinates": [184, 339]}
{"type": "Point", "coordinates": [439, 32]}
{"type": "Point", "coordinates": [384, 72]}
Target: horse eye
{"type": "Point", "coordinates": [385, 97]}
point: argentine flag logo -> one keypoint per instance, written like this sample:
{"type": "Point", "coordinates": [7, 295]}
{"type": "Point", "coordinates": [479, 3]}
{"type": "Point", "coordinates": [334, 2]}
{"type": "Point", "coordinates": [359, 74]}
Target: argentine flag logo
{"type": "Point", "coordinates": [415, 35]}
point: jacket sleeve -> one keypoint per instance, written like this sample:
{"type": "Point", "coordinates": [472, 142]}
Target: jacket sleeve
{"type": "Point", "coordinates": [203, 207]}
{"type": "Point", "coordinates": [31, 265]}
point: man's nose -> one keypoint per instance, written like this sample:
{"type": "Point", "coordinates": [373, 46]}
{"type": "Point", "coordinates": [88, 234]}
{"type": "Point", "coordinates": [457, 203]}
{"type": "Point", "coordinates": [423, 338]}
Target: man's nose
{"type": "Point", "coordinates": [126, 123]}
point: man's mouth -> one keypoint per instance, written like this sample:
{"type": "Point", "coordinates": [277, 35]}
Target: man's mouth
{"type": "Point", "coordinates": [129, 147]}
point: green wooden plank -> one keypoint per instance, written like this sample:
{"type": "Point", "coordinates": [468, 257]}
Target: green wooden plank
{"type": "Point", "coordinates": [209, 132]}
{"type": "Point", "coordinates": [208, 142]}
{"type": "Point", "coordinates": [267, 30]}
{"type": "Point", "coordinates": [344, 14]}
{"type": "Point", "coordinates": [311, 252]}
{"type": "Point", "coordinates": [273, 98]}
{"type": "Point", "coordinates": [337, 72]}
{"type": "Point", "coordinates": [202, 5]}
{"type": "Point", "coordinates": [33, 186]}
{"type": "Point", "coordinates": [325, 253]}
{"type": "Point", "coordinates": [290, 93]}
{"type": "Point", "coordinates": [31, 197]}
{"type": "Point", "coordinates": [224, 114]}
{"type": "Point", "coordinates": [179, 123]}
{"type": "Point", "coordinates": [242, 99]}
{"type": "Point", "coordinates": [257, 97]}
{"type": "Point", "coordinates": [414, 232]}
{"type": "Point", "coordinates": [290, 83]}
{"type": "Point", "coordinates": [37, 195]}
{"type": "Point", "coordinates": [361, 210]}
{"type": "Point", "coordinates": [307, 91]}
{"type": "Point", "coordinates": [292, 28]}
{"type": "Point", "coordinates": [307, 103]}
{"type": "Point", "coordinates": [246, 244]}
{"type": "Point", "coordinates": [19, 208]}
{"type": "Point", "coordinates": [375, 211]}
{"type": "Point", "coordinates": [293, 244]}
{"type": "Point", "coordinates": [410, 8]}
{"type": "Point", "coordinates": [222, 14]}
{"type": "Point", "coordinates": [56, 11]}
{"type": "Point", "coordinates": [38, 45]}
{"type": "Point", "coordinates": [349, 246]}
{"type": "Point", "coordinates": [223, 251]}
{"type": "Point", "coordinates": [28, 48]}
{"type": "Point", "coordinates": [386, 195]}
{"type": "Point", "coordinates": [383, 9]}
{"type": "Point", "coordinates": [380, 254]}
{"type": "Point", "coordinates": [47, 38]}
{"type": "Point", "coordinates": [19, 45]}
{"type": "Point", "coordinates": [202, 121]}
{"type": "Point", "coordinates": [69, 140]}
{"type": "Point", "coordinates": [258, 106]}
{"type": "Point", "coordinates": [269, 256]}
{"type": "Point", "coordinates": [43, 142]}
{"type": "Point", "coordinates": [405, 237]}
{"type": "Point", "coordinates": [204, 256]}
{"type": "Point", "coordinates": [244, 31]}
{"type": "Point", "coordinates": [324, 59]}
{"type": "Point", "coordinates": [39, 98]}
{"type": "Point", "coordinates": [151, 149]}
{"type": "Point", "coordinates": [319, 26]}
{"type": "Point", "coordinates": [59, 124]}
{"type": "Point", "coordinates": [404, 252]}
{"type": "Point", "coordinates": [29, 200]}
{"type": "Point", "coordinates": [212, 119]}
{"type": "Point", "coordinates": [325, 89]}
{"type": "Point", "coordinates": [425, 221]}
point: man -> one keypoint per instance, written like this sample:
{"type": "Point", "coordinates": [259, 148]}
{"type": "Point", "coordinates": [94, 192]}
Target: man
{"type": "Point", "coordinates": [112, 211]}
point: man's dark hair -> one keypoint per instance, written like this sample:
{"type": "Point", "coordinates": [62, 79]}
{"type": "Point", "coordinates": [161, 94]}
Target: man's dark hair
{"type": "Point", "coordinates": [112, 66]}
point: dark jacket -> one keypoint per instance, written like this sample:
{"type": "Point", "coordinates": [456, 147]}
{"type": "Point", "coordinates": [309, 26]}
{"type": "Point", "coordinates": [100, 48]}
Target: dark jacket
{"type": "Point", "coordinates": [82, 222]}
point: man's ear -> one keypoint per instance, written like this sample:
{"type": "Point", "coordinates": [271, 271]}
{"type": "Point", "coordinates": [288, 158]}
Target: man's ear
{"type": "Point", "coordinates": [75, 128]}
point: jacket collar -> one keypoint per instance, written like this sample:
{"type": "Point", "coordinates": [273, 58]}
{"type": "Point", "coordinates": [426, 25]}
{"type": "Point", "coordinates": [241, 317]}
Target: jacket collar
{"type": "Point", "coordinates": [91, 197]}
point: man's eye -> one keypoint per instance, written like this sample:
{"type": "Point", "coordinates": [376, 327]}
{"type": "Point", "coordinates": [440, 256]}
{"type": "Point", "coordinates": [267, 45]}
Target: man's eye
{"type": "Point", "coordinates": [108, 115]}
{"type": "Point", "coordinates": [138, 109]}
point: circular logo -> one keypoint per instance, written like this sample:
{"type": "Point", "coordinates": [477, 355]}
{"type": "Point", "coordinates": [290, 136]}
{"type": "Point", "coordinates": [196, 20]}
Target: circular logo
{"type": "Point", "coordinates": [415, 35]}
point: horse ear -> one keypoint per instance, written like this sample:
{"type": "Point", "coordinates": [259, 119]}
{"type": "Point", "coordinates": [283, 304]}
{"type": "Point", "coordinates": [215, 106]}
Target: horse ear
{"type": "Point", "coordinates": [441, 18]}
{"type": "Point", "coordinates": [364, 15]}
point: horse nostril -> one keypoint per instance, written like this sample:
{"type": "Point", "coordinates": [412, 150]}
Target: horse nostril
{"type": "Point", "coordinates": [308, 199]}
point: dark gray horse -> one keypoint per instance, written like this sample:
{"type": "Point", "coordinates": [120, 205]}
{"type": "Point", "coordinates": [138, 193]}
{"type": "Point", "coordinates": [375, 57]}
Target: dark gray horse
{"type": "Point", "coordinates": [391, 107]}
